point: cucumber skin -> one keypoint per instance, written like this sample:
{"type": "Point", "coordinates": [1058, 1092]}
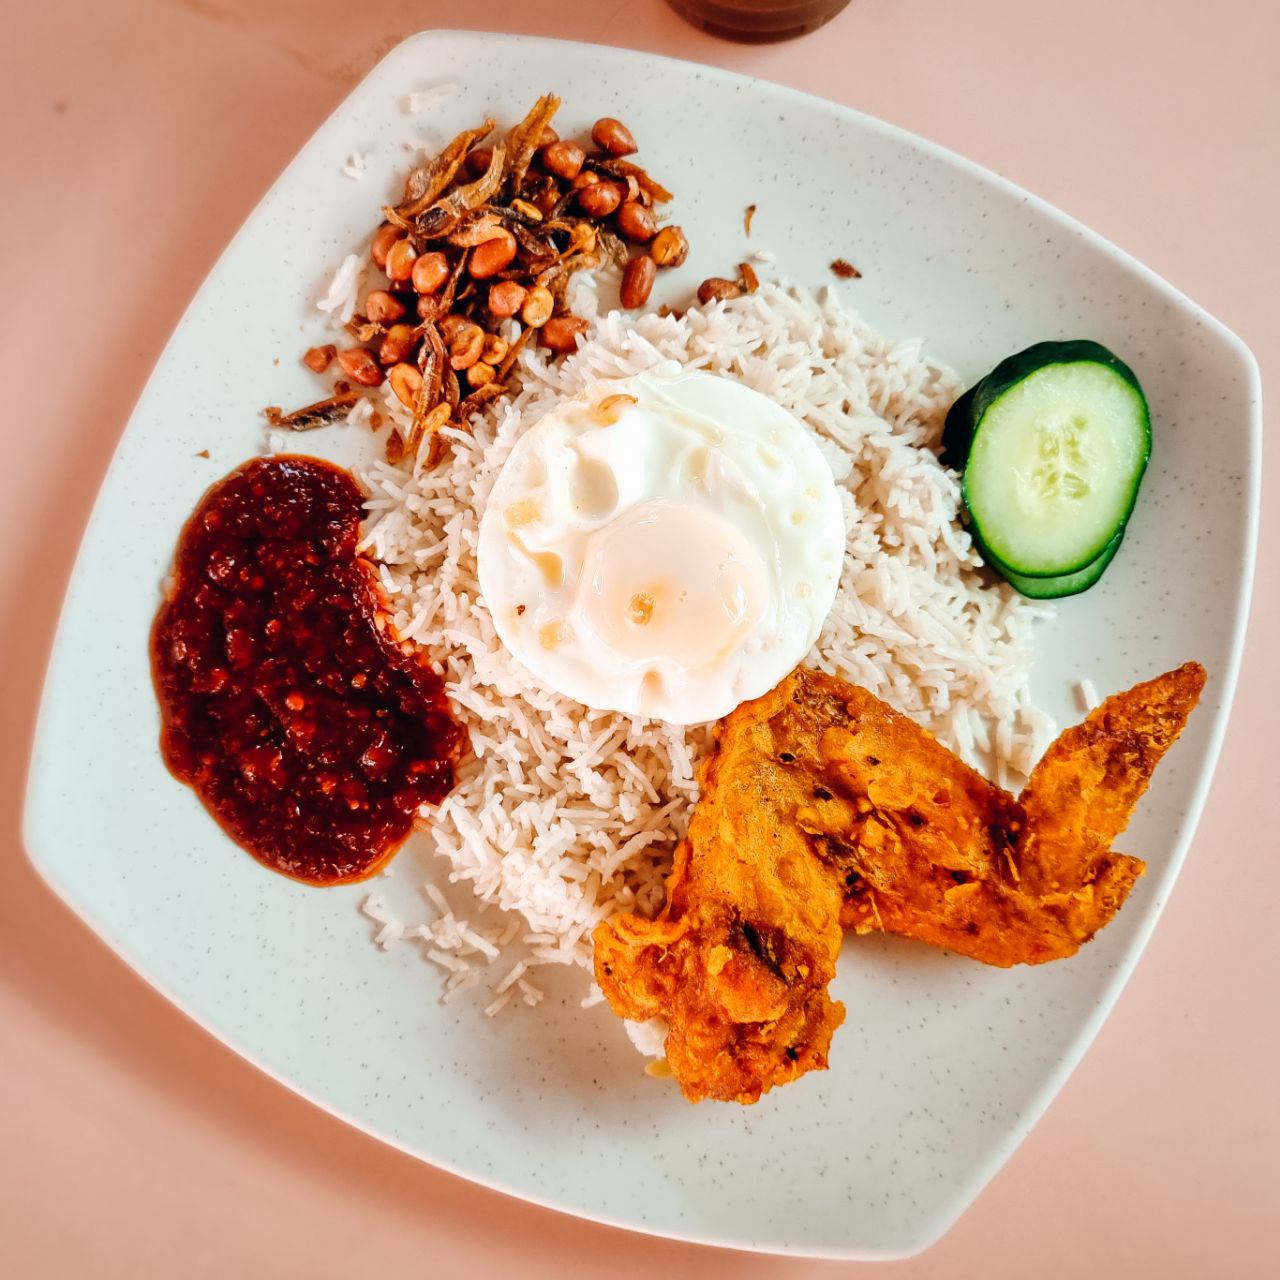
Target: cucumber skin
{"type": "Point", "coordinates": [970, 408]}
{"type": "Point", "coordinates": [1068, 584]}
{"type": "Point", "coordinates": [957, 430]}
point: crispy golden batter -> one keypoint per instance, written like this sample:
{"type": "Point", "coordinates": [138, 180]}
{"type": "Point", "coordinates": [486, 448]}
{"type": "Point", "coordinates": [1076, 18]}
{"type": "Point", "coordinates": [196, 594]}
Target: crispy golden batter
{"type": "Point", "coordinates": [929, 849]}
{"type": "Point", "coordinates": [739, 960]}
{"type": "Point", "coordinates": [822, 806]}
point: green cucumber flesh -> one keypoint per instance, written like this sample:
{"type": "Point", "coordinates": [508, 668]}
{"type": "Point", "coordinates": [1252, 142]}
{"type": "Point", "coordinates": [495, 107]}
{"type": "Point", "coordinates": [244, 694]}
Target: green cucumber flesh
{"type": "Point", "coordinates": [1067, 584]}
{"type": "Point", "coordinates": [1054, 443]}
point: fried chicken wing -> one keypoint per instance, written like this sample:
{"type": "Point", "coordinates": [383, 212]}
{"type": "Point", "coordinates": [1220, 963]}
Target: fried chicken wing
{"type": "Point", "coordinates": [930, 850]}
{"type": "Point", "coordinates": [824, 807]}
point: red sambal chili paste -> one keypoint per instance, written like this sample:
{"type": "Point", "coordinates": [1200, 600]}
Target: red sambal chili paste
{"type": "Point", "coordinates": [305, 727]}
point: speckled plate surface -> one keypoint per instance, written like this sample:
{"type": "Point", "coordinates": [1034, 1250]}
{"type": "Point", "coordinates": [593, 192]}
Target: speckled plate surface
{"type": "Point", "coordinates": [943, 1065]}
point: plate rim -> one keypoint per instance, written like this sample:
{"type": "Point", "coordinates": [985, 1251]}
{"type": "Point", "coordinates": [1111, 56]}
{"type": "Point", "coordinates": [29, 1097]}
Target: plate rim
{"type": "Point", "coordinates": [983, 1171]}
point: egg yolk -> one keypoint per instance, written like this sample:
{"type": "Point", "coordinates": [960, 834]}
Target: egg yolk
{"type": "Point", "coordinates": [665, 581]}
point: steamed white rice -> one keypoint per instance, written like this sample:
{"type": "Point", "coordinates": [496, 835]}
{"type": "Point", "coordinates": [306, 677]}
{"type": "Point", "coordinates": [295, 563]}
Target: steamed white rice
{"type": "Point", "coordinates": [568, 814]}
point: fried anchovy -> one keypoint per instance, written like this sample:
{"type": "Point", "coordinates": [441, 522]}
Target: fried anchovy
{"type": "Point", "coordinates": [436, 450]}
{"type": "Point", "coordinates": [531, 240]}
{"type": "Point", "coordinates": [476, 228]}
{"type": "Point", "coordinates": [321, 414]}
{"type": "Point", "coordinates": [516, 217]}
{"type": "Point", "coordinates": [556, 276]}
{"type": "Point", "coordinates": [557, 210]}
{"type": "Point", "coordinates": [480, 397]}
{"type": "Point", "coordinates": [513, 351]}
{"type": "Point", "coordinates": [523, 140]}
{"type": "Point", "coordinates": [443, 216]}
{"type": "Point", "coordinates": [612, 246]}
{"type": "Point", "coordinates": [625, 169]}
{"type": "Point", "coordinates": [423, 186]}
{"type": "Point", "coordinates": [561, 226]}
{"type": "Point", "coordinates": [450, 290]}
{"type": "Point", "coordinates": [431, 361]}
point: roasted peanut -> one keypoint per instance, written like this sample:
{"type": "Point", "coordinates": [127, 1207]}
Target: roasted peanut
{"type": "Point", "coordinates": [318, 359]}
{"type": "Point", "coordinates": [493, 256]}
{"type": "Point", "coordinates": [564, 159]}
{"type": "Point", "coordinates": [465, 344]}
{"type": "Point", "coordinates": [400, 259]}
{"type": "Point", "coordinates": [637, 281]}
{"type": "Point", "coordinates": [547, 138]}
{"type": "Point", "coordinates": [560, 333]}
{"type": "Point", "coordinates": [494, 349]}
{"type": "Point", "coordinates": [399, 340]}
{"type": "Point", "coordinates": [360, 366]}
{"type": "Point", "coordinates": [612, 136]}
{"type": "Point", "coordinates": [587, 178]}
{"type": "Point", "coordinates": [538, 306]}
{"type": "Point", "coordinates": [406, 382]}
{"type": "Point", "coordinates": [477, 161]}
{"type": "Point", "coordinates": [429, 272]}
{"type": "Point", "coordinates": [382, 307]}
{"type": "Point", "coordinates": [480, 373]}
{"type": "Point", "coordinates": [636, 222]}
{"type": "Point", "coordinates": [385, 236]}
{"type": "Point", "coordinates": [718, 289]}
{"type": "Point", "coordinates": [506, 298]}
{"type": "Point", "coordinates": [582, 237]}
{"type": "Point", "coordinates": [450, 324]}
{"type": "Point", "coordinates": [599, 199]}
{"type": "Point", "coordinates": [670, 247]}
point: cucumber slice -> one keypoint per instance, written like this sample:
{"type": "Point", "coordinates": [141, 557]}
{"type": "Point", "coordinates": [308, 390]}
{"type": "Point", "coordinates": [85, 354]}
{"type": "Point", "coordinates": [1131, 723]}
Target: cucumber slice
{"type": "Point", "coordinates": [1053, 443]}
{"type": "Point", "coordinates": [1069, 584]}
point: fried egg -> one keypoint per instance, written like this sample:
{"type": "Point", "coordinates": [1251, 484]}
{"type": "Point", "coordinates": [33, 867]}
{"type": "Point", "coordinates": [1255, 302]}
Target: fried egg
{"type": "Point", "coordinates": [665, 545]}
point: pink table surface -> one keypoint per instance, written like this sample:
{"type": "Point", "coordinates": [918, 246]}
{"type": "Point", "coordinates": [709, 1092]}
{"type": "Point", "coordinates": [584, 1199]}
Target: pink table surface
{"type": "Point", "coordinates": [136, 137]}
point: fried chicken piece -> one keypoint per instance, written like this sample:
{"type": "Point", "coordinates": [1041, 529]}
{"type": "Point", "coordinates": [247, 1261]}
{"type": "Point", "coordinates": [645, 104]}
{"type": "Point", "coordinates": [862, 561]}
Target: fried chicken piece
{"type": "Point", "coordinates": [739, 959]}
{"type": "Point", "coordinates": [929, 849]}
{"type": "Point", "coordinates": [822, 806]}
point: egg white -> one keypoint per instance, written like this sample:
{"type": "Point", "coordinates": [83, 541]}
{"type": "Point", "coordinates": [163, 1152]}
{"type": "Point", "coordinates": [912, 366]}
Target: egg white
{"type": "Point", "coordinates": [665, 545]}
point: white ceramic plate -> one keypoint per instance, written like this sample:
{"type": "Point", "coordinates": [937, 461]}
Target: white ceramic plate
{"type": "Point", "coordinates": [943, 1065]}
